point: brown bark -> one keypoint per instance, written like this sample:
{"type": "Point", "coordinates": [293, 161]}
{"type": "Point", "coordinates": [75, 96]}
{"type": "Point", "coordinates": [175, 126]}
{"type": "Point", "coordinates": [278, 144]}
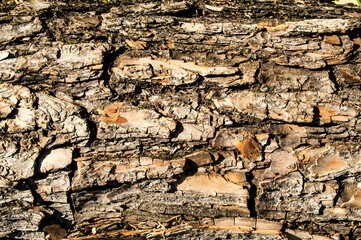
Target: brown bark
{"type": "Point", "coordinates": [180, 119]}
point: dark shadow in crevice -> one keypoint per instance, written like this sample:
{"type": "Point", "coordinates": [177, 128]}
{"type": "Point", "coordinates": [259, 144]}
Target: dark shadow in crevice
{"type": "Point", "coordinates": [74, 168]}
{"type": "Point", "coordinates": [340, 190]}
{"type": "Point", "coordinates": [219, 160]}
{"type": "Point", "coordinates": [191, 12]}
{"type": "Point", "coordinates": [92, 127]}
{"type": "Point", "coordinates": [316, 116]}
{"type": "Point", "coordinates": [251, 202]}
{"type": "Point", "coordinates": [333, 78]}
{"type": "Point", "coordinates": [113, 185]}
{"type": "Point", "coordinates": [108, 62]}
{"type": "Point", "coordinates": [190, 169]}
{"type": "Point", "coordinates": [292, 237]}
{"type": "Point", "coordinates": [179, 129]}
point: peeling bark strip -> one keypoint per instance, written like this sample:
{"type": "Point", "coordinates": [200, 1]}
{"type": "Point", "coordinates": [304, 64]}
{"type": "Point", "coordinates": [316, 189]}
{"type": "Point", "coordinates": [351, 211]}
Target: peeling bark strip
{"type": "Point", "coordinates": [180, 119]}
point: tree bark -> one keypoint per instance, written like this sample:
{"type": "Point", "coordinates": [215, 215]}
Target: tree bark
{"type": "Point", "coordinates": [180, 119]}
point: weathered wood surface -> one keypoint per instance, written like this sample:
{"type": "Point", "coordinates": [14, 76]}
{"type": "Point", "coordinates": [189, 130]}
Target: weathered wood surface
{"type": "Point", "coordinates": [180, 119]}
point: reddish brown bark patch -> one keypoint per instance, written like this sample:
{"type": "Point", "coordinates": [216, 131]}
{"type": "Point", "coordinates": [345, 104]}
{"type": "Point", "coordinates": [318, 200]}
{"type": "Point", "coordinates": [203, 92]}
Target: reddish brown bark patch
{"type": "Point", "coordinates": [111, 114]}
{"type": "Point", "coordinates": [249, 148]}
{"type": "Point", "coordinates": [326, 114]}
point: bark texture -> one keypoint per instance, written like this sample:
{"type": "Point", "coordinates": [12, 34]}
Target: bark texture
{"type": "Point", "coordinates": [180, 120]}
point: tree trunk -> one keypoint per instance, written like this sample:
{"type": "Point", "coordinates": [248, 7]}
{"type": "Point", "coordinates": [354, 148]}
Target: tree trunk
{"type": "Point", "coordinates": [180, 119]}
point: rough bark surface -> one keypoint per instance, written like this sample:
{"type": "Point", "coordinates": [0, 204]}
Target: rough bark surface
{"type": "Point", "coordinates": [180, 120]}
